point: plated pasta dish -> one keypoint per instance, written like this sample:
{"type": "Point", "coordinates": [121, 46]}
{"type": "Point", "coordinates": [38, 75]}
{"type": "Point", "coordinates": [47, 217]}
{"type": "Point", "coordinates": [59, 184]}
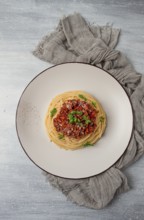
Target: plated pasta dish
{"type": "Point", "coordinates": [75, 120]}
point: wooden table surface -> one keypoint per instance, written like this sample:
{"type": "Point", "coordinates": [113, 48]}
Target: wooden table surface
{"type": "Point", "coordinates": [24, 194]}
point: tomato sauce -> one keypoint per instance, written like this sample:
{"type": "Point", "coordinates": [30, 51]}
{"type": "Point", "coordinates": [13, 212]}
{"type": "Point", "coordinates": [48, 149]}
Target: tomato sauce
{"type": "Point", "coordinates": [76, 119]}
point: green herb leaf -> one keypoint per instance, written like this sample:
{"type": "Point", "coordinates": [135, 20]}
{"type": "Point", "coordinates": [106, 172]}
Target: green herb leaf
{"type": "Point", "coordinates": [75, 119]}
{"type": "Point", "coordinates": [72, 118]}
{"type": "Point", "coordinates": [87, 121]}
{"type": "Point", "coordinates": [101, 119]}
{"type": "Point", "coordinates": [61, 136]}
{"type": "Point", "coordinates": [79, 112]}
{"type": "Point", "coordinates": [53, 112]}
{"type": "Point", "coordinates": [76, 112]}
{"type": "Point", "coordinates": [87, 144]}
{"type": "Point", "coordinates": [82, 97]}
{"type": "Point", "coordinates": [94, 104]}
{"type": "Point", "coordinates": [78, 120]}
{"type": "Point", "coordinates": [85, 117]}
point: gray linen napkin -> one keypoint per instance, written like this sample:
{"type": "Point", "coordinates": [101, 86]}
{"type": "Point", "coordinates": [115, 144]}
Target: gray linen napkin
{"type": "Point", "coordinates": [75, 40]}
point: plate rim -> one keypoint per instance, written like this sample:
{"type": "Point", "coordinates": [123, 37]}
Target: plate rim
{"type": "Point", "coordinates": [16, 116]}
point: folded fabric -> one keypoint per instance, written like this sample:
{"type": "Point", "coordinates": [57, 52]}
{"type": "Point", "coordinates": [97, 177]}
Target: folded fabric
{"type": "Point", "coordinates": [75, 40]}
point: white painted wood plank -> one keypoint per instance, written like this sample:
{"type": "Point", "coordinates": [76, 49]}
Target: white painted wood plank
{"type": "Point", "coordinates": [24, 194]}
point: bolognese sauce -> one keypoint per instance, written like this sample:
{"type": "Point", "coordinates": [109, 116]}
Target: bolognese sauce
{"type": "Point", "coordinates": [76, 119]}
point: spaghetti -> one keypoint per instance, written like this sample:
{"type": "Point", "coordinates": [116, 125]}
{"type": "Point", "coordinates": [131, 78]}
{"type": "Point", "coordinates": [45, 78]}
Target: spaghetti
{"type": "Point", "coordinates": [75, 120]}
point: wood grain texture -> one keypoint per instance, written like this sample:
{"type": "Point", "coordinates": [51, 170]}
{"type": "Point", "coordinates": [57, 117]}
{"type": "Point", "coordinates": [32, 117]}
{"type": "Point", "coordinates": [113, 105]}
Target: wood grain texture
{"type": "Point", "coordinates": [24, 194]}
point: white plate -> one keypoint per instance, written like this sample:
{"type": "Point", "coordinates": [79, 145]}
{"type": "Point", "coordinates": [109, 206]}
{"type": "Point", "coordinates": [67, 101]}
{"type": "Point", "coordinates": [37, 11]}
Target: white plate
{"type": "Point", "coordinates": [32, 109]}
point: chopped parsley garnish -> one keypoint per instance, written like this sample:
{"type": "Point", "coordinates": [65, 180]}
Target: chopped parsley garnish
{"type": "Point", "coordinates": [82, 97]}
{"type": "Point", "coordinates": [53, 112]}
{"type": "Point", "coordinates": [76, 112]}
{"type": "Point", "coordinates": [87, 144]}
{"type": "Point", "coordinates": [61, 136]}
{"type": "Point", "coordinates": [101, 119]}
{"type": "Point", "coordinates": [87, 121]}
{"type": "Point", "coordinates": [72, 118]}
{"type": "Point", "coordinates": [94, 104]}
